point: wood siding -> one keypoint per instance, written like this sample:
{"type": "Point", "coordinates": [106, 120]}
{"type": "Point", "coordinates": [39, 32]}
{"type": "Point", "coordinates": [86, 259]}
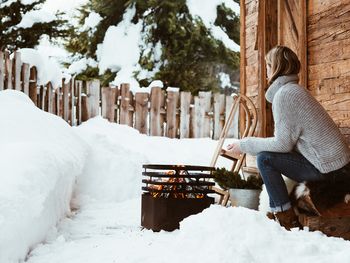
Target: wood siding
{"type": "Point", "coordinates": [319, 32]}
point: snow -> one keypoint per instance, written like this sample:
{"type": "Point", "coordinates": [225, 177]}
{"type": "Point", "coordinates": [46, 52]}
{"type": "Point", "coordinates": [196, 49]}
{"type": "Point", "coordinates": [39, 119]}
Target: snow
{"type": "Point", "coordinates": [48, 70]}
{"type": "Point", "coordinates": [206, 10]}
{"type": "Point", "coordinates": [91, 22]}
{"type": "Point", "coordinates": [120, 48]}
{"type": "Point", "coordinates": [24, 2]}
{"type": "Point", "coordinates": [40, 157]}
{"type": "Point", "coordinates": [80, 65]}
{"type": "Point", "coordinates": [106, 225]}
{"type": "Point", "coordinates": [35, 16]}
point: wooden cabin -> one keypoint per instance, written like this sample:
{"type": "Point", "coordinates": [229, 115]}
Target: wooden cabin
{"type": "Point", "coordinates": [319, 32]}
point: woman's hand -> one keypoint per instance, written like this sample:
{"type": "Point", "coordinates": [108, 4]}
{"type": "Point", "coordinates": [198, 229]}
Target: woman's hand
{"type": "Point", "coordinates": [234, 148]}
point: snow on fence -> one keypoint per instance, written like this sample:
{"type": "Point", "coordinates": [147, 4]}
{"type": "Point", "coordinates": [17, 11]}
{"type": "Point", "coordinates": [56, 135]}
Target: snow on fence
{"type": "Point", "coordinates": [168, 113]}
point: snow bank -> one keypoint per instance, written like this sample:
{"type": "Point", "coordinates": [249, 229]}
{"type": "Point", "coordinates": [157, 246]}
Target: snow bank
{"type": "Point", "coordinates": [243, 235]}
{"type": "Point", "coordinates": [40, 157]}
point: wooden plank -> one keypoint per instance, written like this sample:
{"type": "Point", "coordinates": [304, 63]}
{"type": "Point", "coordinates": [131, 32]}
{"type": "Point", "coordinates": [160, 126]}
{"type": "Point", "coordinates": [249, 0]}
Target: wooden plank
{"type": "Point", "coordinates": [303, 47]}
{"type": "Point", "coordinates": [2, 70]}
{"type": "Point", "coordinates": [207, 109]}
{"type": "Point", "coordinates": [8, 71]}
{"type": "Point", "coordinates": [131, 109]}
{"type": "Point", "coordinates": [219, 113]}
{"type": "Point", "coordinates": [42, 97]}
{"type": "Point", "coordinates": [84, 108]}
{"type": "Point", "coordinates": [79, 85]}
{"type": "Point", "coordinates": [72, 112]}
{"type": "Point", "coordinates": [25, 78]}
{"type": "Point", "coordinates": [59, 102]}
{"type": "Point", "coordinates": [172, 105]}
{"type": "Point", "coordinates": [155, 112]}
{"type": "Point", "coordinates": [65, 100]}
{"type": "Point", "coordinates": [93, 94]}
{"type": "Point", "coordinates": [321, 6]}
{"type": "Point", "coordinates": [329, 70]}
{"type": "Point", "coordinates": [108, 103]}
{"type": "Point", "coordinates": [141, 112]}
{"type": "Point", "coordinates": [54, 102]}
{"type": "Point", "coordinates": [201, 121]}
{"type": "Point", "coordinates": [185, 103]}
{"type": "Point", "coordinates": [329, 52]}
{"type": "Point", "coordinates": [17, 64]}
{"type": "Point", "coordinates": [33, 85]}
{"type": "Point", "coordinates": [124, 104]}
{"type": "Point", "coordinates": [49, 97]}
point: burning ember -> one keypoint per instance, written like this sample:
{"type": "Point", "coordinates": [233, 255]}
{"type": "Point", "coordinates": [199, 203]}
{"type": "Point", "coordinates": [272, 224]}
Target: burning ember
{"type": "Point", "coordinates": [174, 187]}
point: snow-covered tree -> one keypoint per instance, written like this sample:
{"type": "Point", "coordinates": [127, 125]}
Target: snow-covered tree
{"type": "Point", "coordinates": [177, 47]}
{"type": "Point", "coordinates": [23, 23]}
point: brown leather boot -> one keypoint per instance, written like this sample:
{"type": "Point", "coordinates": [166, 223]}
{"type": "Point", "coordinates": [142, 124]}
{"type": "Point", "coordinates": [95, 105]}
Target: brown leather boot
{"type": "Point", "coordinates": [288, 219]}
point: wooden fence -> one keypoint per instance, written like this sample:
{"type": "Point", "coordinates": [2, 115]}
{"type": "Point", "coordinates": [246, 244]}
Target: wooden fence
{"type": "Point", "coordinates": [161, 113]}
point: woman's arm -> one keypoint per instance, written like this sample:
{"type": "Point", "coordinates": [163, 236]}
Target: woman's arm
{"type": "Point", "coordinates": [287, 131]}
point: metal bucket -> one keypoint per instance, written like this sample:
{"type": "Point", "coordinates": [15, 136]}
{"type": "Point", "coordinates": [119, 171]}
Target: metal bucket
{"type": "Point", "coordinates": [245, 197]}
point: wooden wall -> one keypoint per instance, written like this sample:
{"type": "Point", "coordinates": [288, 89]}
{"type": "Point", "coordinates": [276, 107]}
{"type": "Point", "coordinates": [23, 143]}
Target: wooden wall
{"type": "Point", "coordinates": [328, 42]}
{"type": "Point", "coordinates": [319, 32]}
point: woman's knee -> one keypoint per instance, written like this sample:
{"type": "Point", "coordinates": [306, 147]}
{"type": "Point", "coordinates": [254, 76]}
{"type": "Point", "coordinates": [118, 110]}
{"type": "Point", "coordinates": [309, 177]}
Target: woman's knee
{"type": "Point", "coordinates": [263, 159]}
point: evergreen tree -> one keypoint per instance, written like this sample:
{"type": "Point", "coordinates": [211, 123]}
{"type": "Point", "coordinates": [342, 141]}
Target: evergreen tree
{"type": "Point", "coordinates": [191, 56]}
{"type": "Point", "coordinates": [12, 37]}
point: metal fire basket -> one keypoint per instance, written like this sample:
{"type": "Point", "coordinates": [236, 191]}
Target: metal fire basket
{"type": "Point", "coordinates": [174, 192]}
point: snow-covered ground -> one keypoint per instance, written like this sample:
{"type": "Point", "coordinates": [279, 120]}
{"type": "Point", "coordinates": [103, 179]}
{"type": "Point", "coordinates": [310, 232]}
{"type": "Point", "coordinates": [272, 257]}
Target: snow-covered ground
{"type": "Point", "coordinates": [42, 157]}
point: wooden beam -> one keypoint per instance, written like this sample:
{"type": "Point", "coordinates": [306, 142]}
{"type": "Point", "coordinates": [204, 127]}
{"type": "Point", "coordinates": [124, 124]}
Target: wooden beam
{"type": "Point", "coordinates": [243, 64]}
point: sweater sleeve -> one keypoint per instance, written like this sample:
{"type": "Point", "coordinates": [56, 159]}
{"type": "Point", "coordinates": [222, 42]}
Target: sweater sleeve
{"type": "Point", "coordinates": [286, 129]}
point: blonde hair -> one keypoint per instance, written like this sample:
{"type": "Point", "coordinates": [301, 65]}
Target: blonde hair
{"type": "Point", "coordinates": [283, 61]}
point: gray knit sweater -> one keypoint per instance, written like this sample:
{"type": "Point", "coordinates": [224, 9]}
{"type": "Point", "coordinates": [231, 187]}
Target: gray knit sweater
{"type": "Point", "coordinates": [303, 125]}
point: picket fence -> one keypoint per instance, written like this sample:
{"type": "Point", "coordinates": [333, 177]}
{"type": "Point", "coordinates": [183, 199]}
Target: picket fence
{"type": "Point", "coordinates": [159, 113]}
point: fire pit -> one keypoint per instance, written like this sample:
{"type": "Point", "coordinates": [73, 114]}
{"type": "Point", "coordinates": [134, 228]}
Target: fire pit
{"type": "Point", "coordinates": [173, 192]}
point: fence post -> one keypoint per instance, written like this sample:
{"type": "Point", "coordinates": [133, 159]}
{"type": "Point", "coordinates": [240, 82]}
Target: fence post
{"type": "Point", "coordinates": [17, 71]}
{"type": "Point", "coordinates": [141, 112]}
{"type": "Point", "coordinates": [201, 121]}
{"type": "Point", "coordinates": [72, 112]}
{"type": "Point", "coordinates": [124, 104]}
{"type": "Point", "coordinates": [25, 78]}
{"type": "Point", "coordinates": [219, 113]}
{"type": "Point", "coordinates": [185, 104]}
{"type": "Point", "coordinates": [49, 97]}
{"type": "Point", "coordinates": [2, 70]}
{"type": "Point", "coordinates": [8, 71]}
{"type": "Point", "coordinates": [84, 108]}
{"type": "Point", "coordinates": [93, 98]}
{"type": "Point", "coordinates": [171, 111]}
{"type": "Point", "coordinates": [79, 85]}
{"type": "Point", "coordinates": [58, 102]}
{"type": "Point", "coordinates": [155, 112]}
{"type": "Point", "coordinates": [108, 103]}
{"type": "Point", "coordinates": [33, 86]}
{"type": "Point", "coordinates": [65, 100]}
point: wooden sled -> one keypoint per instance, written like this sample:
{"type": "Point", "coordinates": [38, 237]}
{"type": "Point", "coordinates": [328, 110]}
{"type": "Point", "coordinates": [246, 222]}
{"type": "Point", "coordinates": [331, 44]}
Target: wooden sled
{"type": "Point", "coordinates": [244, 103]}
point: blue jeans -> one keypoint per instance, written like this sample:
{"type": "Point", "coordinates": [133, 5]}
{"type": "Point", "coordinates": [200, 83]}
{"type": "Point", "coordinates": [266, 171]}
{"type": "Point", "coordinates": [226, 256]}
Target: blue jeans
{"type": "Point", "coordinates": [293, 165]}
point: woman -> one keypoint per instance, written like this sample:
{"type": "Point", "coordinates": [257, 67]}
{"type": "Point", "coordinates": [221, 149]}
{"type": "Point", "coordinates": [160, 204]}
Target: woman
{"type": "Point", "coordinates": [307, 145]}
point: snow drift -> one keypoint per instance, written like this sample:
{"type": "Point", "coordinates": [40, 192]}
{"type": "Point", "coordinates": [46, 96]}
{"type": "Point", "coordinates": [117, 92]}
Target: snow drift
{"type": "Point", "coordinates": [40, 158]}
